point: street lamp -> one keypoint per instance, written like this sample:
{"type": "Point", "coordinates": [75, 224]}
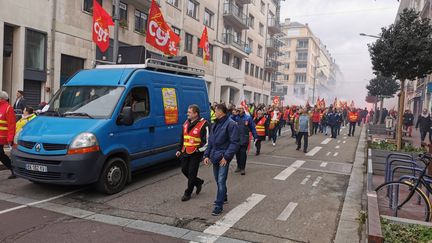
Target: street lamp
{"type": "Point", "coordinates": [373, 36]}
{"type": "Point", "coordinates": [315, 73]}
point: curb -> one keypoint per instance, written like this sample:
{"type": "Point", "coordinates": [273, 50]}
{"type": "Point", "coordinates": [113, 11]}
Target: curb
{"type": "Point", "coordinates": [348, 228]}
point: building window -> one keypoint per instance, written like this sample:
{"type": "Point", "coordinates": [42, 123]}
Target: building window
{"type": "Point", "coordinates": [140, 21]}
{"type": "Point", "coordinates": [287, 54]}
{"type": "Point", "coordinates": [301, 65]}
{"type": "Point", "coordinates": [211, 52]}
{"type": "Point", "coordinates": [192, 9]}
{"type": "Point", "coordinates": [251, 21]}
{"type": "Point", "coordinates": [35, 50]}
{"type": "Point", "coordinates": [286, 65]}
{"type": "Point", "coordinates": [252, 69]}
{"type": "Point", "coordinates": [225, 58]}
{"type": "Point", "coordinates": [262, 8]}
{"type": "Point", "coordinates": [261, 29]}
{"type": "Point", "coordinates": [260, 50]}
{"type": "Point", "coordinates": [123, 14]}
{"type": "Point", "coordinates": [261, 73]}
{"type": "Point", "coordinates": [286, 77]}
{"type": "Point", "coordinates": [302, 43]}
{"type": "Point", "coordinates": [199, 49]}
{"type": "Point", "coordinates": [176, 30]}
{"type": "Point", "coordinates": [208, 18]}
{"type": "Point", "coordinates": [188, 42]}
{"type": "Point", "coordinates": [175, 3]}
{"type": "Point", "coordinates": [88, 5]}
{"type": "Point", "coordinates": [300, 78]}
{"type": "Point", "coordinates": [246, 67]}
{"type": "Point", "coordinates": [256, 71]}
{"type": "Point", "coordinates": [249, 44]}
{"type": "Point", "coordinates": [68, 66]}
{"type": "Point", "coordinates": [302, 56]}
{"type": "Point", "coordinates": [236, 62]}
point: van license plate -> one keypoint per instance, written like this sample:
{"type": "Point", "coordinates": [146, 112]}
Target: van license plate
{"type": "Point", "coordinates": [40, 168]}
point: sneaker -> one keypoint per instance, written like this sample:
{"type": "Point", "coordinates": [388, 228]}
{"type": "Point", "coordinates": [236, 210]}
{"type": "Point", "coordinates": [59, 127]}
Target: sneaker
{"type": "Point", "coordinates": [199, 187]}
{"type": "Point", "coordinates": [305, 151]}
{"type": "Point", "coordinates": [217, 211]}
{"type": "Point", "coordinates": [13, 176]}
{"type": "Point", "coordinates": [185, 198]}
{"type": "Point", "coordinates": [242, 172]}
{"type": "Point", "coordinates": [274, 144]}
{"type": "Point", "coordinates": [237, 170]}
{"type": "Point", "coordinates": [257, 153]}
{"type": "Point", "coordinates": [297, 149]}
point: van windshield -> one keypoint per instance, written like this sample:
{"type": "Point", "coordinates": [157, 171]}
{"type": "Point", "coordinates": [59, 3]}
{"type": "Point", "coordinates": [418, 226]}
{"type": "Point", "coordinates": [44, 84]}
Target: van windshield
{"type": "Point", "coordinates": [84, 101]}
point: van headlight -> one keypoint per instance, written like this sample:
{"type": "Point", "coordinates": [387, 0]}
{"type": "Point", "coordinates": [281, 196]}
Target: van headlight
{"type": "Point", "coordinates": [84, 143]}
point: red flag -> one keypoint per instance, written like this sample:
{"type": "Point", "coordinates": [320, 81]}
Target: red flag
{"type": "Point", "coordinates": [276, 101]}
{"type": "Point", "coordinates": [160, 35]}
{"type": "Point", "coordinates": [101, 21]}
{"type": "Point", "coordinates": [204, 44]}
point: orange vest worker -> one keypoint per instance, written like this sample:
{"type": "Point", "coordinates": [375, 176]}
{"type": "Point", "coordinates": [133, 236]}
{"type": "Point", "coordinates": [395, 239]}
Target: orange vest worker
{"type": "Point", "coordinates": [192, 139]}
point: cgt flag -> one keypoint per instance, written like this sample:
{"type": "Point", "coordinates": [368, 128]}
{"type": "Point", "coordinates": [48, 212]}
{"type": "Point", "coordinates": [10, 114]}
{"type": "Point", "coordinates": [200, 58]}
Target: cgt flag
{"type": "Point", "coordinates": [101, 21]}
{"type": "Point", "coordinates": [204, 44]}
{"type": "Point", "coordinates": [160, 35]}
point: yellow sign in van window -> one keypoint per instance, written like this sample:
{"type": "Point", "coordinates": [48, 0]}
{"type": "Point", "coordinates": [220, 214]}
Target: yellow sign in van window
{"type": "Point", "coordinates": [170, 105]}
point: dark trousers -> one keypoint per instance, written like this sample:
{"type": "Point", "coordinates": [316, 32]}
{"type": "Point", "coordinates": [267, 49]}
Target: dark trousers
{"type": "Point", "coordinates": [190, 166]}
{"type": "Point", "coordinates": [281, 124]}
{"type": "Point", "coordinates": [315, 127]}
{"type": "Point", "coordinates": [333, 131]}
{"type": "Point", "coordinates": [301, 135]}
{"type": "Point", "coordinates": [352, 127]}
{"type": "Point", "coordinates": [423, 135]}
{"type": "Point", "coordinates": [258, 145]}
{"type": "Point", "coordinates": [293, 134]}
{"type": "Point", "coordinates": [273, 134]}
{"type": "Point", "coordinates": [4, 158]}
{"type": "Point", "coordinates": [241, 156]}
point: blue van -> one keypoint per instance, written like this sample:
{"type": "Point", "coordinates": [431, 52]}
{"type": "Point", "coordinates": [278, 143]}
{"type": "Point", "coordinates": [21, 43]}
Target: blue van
{"type": "Point", "coordinates": [107, 122]}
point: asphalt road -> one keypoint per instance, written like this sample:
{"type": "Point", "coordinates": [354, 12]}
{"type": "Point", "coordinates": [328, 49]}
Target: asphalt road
{"type": "Point", "coordinates": [285, 196]}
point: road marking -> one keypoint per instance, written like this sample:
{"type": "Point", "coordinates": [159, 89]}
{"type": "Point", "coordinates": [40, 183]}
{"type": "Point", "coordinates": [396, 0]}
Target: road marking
{"type": "Point", "coordinates": [328, 153]}
{"type": "Point", "coordinates": [287, 211]}
{"type": "Point", "coordinates": [323, 164]}
{"type": "Point", "coordinates": [37, 202]}
{"type": "Point", "coordinates": [223, 225]}
{"type": "Point", "coordinates": [337, 147]}
{"type": "Point", "coordinates": [314, 151]}
{"type": "Point", "coordinates": [335, 154]}
{"type": "Point", "coordinates": [288, 171]}
{"type": "Point", "coordinates": [344, 142]}
{"type": "Point", "coordinates": [338, 141]}
{"type": "Point", "coordinates": [307, 169]}
{"type": "Point", "coordinates": [326, 141]}
{"type": "Point", "coordinates": [318, 179]}
{"type": "Point", "coordinates": [305, 180]}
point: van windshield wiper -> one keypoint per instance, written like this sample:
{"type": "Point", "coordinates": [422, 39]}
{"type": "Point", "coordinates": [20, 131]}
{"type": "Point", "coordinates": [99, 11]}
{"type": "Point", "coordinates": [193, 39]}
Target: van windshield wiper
{"type": "Point", "coordinates": [77, 114]}
{"type": "Point", "coordinates": [50, 113]}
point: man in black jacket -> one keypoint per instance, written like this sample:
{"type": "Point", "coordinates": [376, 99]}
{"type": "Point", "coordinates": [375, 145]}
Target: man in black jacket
{"type": "Point", "coordinates": [20, 102]}
{"type": "Point", "coordinates": [193, 143]}
{"type": "Point", "coordinates": [424, 122]}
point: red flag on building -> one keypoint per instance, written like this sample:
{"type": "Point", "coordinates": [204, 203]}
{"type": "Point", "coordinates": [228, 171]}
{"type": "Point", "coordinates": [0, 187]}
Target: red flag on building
{"type": "Point", "coordinates": [101, 21]}
{"type": "Point", "coordinates": [159, 34]}
{"type": "Point", "coordinates": [204, 44]}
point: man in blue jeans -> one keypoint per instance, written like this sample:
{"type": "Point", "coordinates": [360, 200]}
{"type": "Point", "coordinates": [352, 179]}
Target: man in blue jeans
{"type": "Point", "coordinates": [223, 144]}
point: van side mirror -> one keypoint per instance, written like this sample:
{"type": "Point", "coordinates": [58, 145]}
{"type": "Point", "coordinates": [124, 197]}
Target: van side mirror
{"type": "Point", "coordinates": [126, 116]}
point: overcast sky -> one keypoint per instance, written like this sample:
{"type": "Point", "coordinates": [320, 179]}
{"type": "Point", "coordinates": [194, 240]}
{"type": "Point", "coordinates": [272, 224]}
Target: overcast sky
{"type": "Point", "coordinates": [338, 24]}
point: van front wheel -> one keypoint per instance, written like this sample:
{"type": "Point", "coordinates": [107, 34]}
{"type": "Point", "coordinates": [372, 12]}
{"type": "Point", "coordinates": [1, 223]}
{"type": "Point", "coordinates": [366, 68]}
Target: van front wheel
{"type": "Point", "coordinates": [114, 176]}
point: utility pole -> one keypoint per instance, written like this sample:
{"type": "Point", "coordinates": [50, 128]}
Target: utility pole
{"type": "Point", "coordinates": [116, 18]}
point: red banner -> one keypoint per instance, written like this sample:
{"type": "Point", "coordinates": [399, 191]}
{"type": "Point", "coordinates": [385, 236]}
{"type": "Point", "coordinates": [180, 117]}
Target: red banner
{"type": "Point", "coordinates": [159, 34]}
{"type": "Point", "coordinates": [204, 44]}
{"type": "Point", "coordinates": [101, 21]}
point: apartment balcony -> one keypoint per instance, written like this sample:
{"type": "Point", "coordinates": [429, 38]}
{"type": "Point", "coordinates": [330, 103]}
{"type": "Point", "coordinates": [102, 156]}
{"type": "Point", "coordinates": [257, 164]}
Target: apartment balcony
{"type": "Point", "coordinates": [271, 65]}
{"type": "Point", "coordinates": [234, 45]}
{"type": "Point", "coordinates": [273, 26]}
{"type": "Point", "coordinates": [235, 16]}
{"type": "Point", "coordinates": [302, 48]}
{"type": "Point", "coordinates": [272, 45]}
